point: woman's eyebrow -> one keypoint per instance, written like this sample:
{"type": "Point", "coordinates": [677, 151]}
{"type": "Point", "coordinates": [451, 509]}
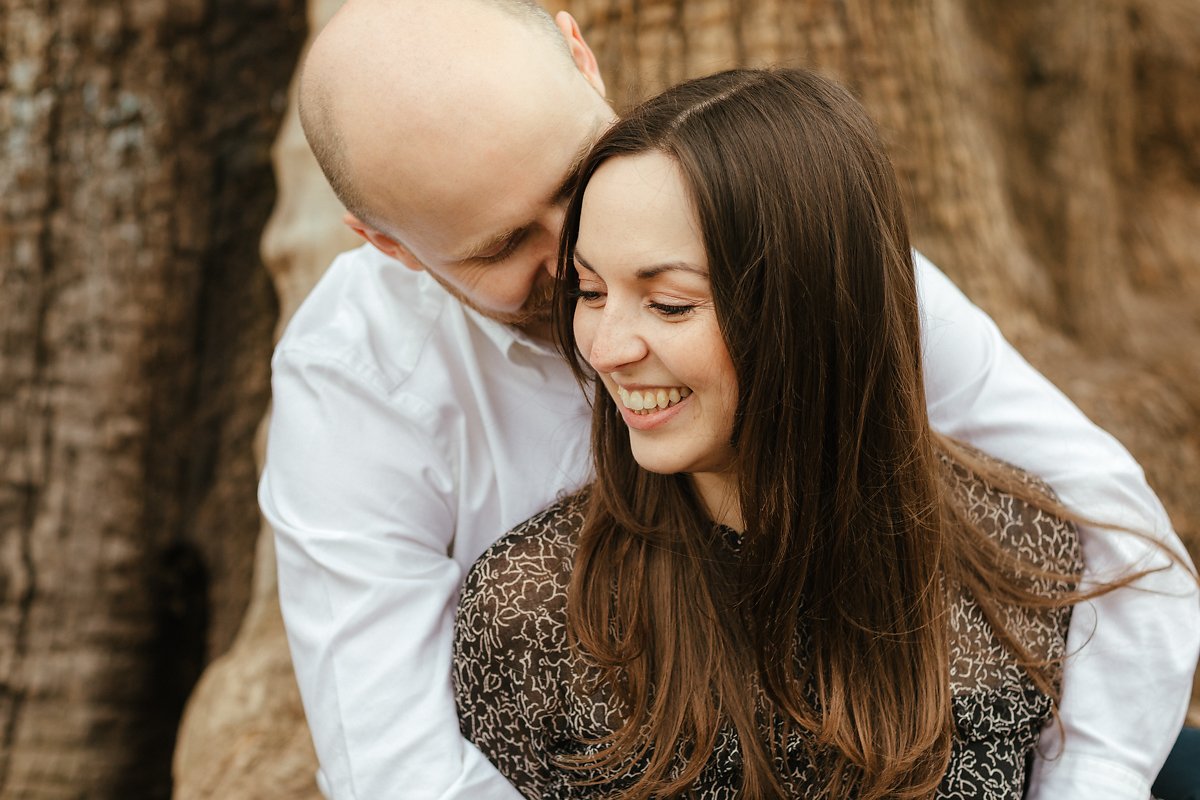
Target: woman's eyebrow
{"type": "Point", "coordinates": [580, 261]}
{"type": "Point", "coordinates": [646, 273]}
{"type": "Point", "coordinates": [652, 271]}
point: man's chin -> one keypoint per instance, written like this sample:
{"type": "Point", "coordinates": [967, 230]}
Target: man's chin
{"type": "Point", "coordinates": [539, 328]}
{"type": "Point", "coordinates": [533, 318]}
{"type": "Point", "coordinates": [536, 324]}
{"type": "Point", "coordinates": [534, 321]}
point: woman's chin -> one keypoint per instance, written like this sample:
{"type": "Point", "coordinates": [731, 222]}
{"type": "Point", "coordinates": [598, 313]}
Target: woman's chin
{"type": "Point", "coordinates": [658, 462]}
{"type": "Point", "coordinates": [656, 468]}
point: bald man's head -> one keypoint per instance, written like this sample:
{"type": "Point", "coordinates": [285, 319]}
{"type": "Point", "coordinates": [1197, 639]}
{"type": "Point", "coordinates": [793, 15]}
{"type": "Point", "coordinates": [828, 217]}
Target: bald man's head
{"type": "Point", "coordinates": [365, 23]}
{"type": "Point", "coordinates": [532, 13]}
{"type": "Point", "coordinates": [450, 130]}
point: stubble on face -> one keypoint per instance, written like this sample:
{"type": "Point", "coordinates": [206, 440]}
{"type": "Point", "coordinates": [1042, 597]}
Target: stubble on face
{"type": "Point", "coordinates": [463, 132]}
{"type": "Point", "coordinates": [533, 316]}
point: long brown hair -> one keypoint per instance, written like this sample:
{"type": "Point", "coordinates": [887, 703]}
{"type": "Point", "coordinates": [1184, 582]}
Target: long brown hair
{"type": "Point", "coordinates": [851, 534]}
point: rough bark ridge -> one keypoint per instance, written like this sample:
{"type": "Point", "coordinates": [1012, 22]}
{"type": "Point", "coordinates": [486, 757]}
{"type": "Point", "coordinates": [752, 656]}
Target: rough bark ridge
{"type": "Point", "coordinates": [1049, 156]}
{"type": "Point", "coordinates": [135, 323]}
{"type": "Point", "coordinates": [244, 734]}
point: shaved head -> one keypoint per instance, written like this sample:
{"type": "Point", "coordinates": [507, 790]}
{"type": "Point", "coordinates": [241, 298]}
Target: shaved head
{"type": "Point", "coordinates": [531, 12]}
{"type": "Point", "coordinates": [391, 64]}
{"type": "Point", "coordinates": [450, 130]}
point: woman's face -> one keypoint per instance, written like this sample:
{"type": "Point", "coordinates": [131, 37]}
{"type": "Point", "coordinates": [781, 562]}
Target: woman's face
{"type": "Point", "coordinates": [645, 319]}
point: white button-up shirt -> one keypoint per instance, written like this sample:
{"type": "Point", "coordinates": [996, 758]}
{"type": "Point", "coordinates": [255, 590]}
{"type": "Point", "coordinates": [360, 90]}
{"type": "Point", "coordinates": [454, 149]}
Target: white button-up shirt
{"type": "Point", "coordinates": [409, 432]}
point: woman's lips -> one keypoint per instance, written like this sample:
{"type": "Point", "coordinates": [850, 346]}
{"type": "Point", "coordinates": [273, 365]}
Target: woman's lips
{"type": "Point", "coordinates": [651, 398]}
{"type": "Point", "coordinates": [645, 421]}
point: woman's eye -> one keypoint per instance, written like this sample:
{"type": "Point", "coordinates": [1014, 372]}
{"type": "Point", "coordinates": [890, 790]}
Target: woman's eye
{"type": "Point", "coordinates": [586, 295]}
{"type": "Point", "coordinates": [668, 310]}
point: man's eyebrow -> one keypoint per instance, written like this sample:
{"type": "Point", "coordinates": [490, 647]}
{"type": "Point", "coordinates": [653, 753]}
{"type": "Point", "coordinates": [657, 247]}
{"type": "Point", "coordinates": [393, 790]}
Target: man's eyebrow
{"type": "Point", "coordinates": [498, 241]}
{"type": "Point", "coordinates": [653, 271]}
{"type": "Point", "coordinates": [560, 195]}
{"type": "Point", "coordinates": [571, 176]}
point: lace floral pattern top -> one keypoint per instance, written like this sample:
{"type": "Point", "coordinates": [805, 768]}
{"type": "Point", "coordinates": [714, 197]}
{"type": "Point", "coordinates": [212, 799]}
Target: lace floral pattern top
{"type": "Point", "coordinates": [519, 686]}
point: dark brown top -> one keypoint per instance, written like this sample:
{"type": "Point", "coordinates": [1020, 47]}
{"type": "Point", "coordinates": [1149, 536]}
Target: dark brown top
{"type": "Point", "coordinates": [517, 682]}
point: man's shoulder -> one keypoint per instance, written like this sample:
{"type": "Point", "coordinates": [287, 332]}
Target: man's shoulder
{"type": "Point", "coordinates": [372, 317]}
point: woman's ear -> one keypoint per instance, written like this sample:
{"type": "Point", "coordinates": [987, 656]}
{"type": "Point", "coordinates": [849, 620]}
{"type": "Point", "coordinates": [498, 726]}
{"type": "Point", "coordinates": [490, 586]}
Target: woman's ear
{"type": "Point", "coordinates": [383, 242]}
{"type": "Point", "coordinates": [582, 55]}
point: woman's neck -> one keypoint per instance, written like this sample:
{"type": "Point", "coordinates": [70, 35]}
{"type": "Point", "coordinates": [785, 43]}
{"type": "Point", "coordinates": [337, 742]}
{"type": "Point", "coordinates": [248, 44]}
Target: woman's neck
{"type": "Point", "coordinates": [718, 492]}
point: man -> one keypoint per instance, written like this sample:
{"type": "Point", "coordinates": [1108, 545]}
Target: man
{"type": "Point", "coordinates": [420, 411]}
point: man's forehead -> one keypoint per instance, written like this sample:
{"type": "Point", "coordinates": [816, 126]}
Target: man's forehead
{"type": "Point", "coordinates": [477, 147]}
{"type": "Point", "coordinates": [551, 187]}
{"type": "Point", "coordinates": [487, 184]}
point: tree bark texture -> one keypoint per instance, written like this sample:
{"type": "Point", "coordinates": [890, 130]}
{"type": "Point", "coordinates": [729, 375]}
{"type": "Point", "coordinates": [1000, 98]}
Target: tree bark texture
{"type": "Point", "coordinates": [243, 734]}
{"type": "Point", "coordinates": [1049, 155]}
{"type": "Point", "coordinates": [135, 328]}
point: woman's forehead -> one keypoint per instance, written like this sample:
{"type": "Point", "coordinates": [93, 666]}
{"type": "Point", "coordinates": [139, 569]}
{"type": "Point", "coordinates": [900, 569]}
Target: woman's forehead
{"type": "Point", "coordinates": [637, 212]}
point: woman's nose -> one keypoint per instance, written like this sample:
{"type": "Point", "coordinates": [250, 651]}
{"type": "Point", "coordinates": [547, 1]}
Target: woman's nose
{"type": "Point", "coordinates": [616, 343]}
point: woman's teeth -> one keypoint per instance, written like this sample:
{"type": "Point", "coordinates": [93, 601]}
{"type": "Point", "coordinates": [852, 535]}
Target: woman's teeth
{"type": "Point", "coordinates": [643, 401]}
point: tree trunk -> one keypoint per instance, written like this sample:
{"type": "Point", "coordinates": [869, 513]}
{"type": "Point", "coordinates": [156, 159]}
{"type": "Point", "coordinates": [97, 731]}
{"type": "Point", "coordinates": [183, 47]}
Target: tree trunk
{"type": "Point", "coordinates": [1049, 158]}
{"type": "Point", "coordinates": [135, 327]}
{"type": "Point", "coordinates": [244, 734]}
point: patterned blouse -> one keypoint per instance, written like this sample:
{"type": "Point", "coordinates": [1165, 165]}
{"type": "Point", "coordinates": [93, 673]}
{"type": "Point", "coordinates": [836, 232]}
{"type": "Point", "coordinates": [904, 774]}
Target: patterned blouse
{"type": "Point", "coordinates": [521, 700]}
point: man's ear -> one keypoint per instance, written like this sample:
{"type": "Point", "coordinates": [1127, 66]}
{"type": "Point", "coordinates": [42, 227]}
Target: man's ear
{"type": "Point", "coordinates": [383, 243]}
{"type": "Point", "coordinates": [583, 56]}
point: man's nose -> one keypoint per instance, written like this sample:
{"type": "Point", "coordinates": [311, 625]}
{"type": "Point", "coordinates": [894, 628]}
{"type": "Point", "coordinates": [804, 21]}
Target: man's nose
{"type": "Point", "coordinates": [552, 225]}
{"type": "Point", "coordinates": [616, 342]}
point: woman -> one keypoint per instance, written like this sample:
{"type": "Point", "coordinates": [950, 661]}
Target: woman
{"type": "Point", "coordinates": [782, 582]}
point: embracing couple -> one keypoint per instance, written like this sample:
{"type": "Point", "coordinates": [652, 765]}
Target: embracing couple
{"type": "Point", "coordinates": [800, 522]}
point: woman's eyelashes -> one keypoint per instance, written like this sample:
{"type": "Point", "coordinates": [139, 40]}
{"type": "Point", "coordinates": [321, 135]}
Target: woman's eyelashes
{"type": "Point", "coordinates": [588, 296]}
{"type": "Point", "coordinates": [595, 298]}
{"type": "Point", "coordinates": [671, 309]}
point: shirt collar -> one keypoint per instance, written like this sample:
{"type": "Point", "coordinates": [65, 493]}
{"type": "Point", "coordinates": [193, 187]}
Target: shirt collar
{"type": "Point", "coordinates": [507, 338]}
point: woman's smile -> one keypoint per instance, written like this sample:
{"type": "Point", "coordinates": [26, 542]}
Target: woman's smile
{"type": "Point", "coordinates": [645, 401]}
{"type": "Point", "coordinates": [647, 409]}
{"type": "Point", "coordinates": [645, 319]}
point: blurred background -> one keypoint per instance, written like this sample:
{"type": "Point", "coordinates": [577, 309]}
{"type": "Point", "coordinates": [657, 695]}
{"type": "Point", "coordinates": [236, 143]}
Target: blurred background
{"type": "Point", "coordinates": [162, 218]}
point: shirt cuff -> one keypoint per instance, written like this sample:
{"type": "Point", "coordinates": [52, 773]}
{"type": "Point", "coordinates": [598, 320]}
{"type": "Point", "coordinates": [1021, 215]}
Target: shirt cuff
{"type": "Point", "coordinates": [1079, 776]}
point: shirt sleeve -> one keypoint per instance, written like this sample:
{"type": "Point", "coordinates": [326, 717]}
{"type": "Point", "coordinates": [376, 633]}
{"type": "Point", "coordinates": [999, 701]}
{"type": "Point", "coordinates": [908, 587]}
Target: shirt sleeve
{"type": "Point", "coordinates": [359, 495]}
{"type": "Point", "coordinates": [1131, 653]}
